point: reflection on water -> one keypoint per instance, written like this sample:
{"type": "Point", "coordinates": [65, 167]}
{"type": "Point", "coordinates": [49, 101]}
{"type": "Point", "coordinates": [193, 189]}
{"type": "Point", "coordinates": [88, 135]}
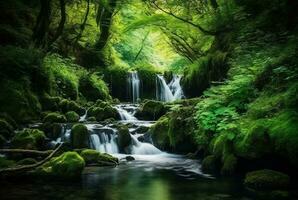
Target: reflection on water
{"type": "Point", "coordinates": [154, 177]}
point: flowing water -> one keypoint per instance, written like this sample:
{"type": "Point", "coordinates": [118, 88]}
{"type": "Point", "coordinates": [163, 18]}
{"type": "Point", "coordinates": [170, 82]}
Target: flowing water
{"type": "Point", "coordinates": [134, 86]}
{"type": "Point", "coordinates": [168, 92]}
{"type": "Point", "coordinates": [153, 175]}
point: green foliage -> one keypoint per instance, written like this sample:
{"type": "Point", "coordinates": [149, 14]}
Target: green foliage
{"type": "Point", "coordinates": [94, 157]}
{"type": "Point", "coordinates": [28, 139]}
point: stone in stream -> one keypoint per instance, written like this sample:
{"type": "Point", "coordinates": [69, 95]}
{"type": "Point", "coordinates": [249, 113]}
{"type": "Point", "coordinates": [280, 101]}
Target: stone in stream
{"type": "Point", "coordinates": [129, 158]}
{"type": "Point", "coordinates": [79, 136]}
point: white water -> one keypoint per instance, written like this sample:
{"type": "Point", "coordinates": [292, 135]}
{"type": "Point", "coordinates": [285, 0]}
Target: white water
{"type": "Point", "coordinates": [124, 114]}
{"type": "Point", "coordinates": [83, 118]}
{"type": "Point", "coordinates": [142, 148]}
{"type": "Point", "coordinates": [168, 92]}
{"type": "Point", "coordinates": [134, 86]}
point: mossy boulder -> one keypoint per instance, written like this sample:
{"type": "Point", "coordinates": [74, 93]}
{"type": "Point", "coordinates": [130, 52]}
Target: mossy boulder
{"type": "Point", "coordinates": [124, 138]}
{"type": "Point", "coordinates": [29, 139]}
{"type": "Point", "coordinates": [72, 116]}
{"type": "Point", "coordinates": [151, 110]}
{"type": "Point", "coordinates": [52, 130]}
{"type": "Point", "coordinates": [69, 165]}
{"type": "Point", "coordinates": [54, 117]}
{"type": "Point", "coordinates": [27, 161]}
{"type": "Point", "coordinates": [79, 136]}
{"type": "Point", "coordinates": [6, 130]}
{"type": "Point", "coordinates": [159, 133]}
{"type": "Point", "coordinates": [102, 111]}
{"type": "Point", "coordinates": [210, 164]}
{"type": "Point", "coordinates": [266, 180]}
{"type": "Point", "coordinates": [229, 165]}
{"type": "Point", "coordinates": [91, 119]}
{"type": "Point", "coordinates": [94, 157]}
{"type": "Point", "coordinates": [69, 105]}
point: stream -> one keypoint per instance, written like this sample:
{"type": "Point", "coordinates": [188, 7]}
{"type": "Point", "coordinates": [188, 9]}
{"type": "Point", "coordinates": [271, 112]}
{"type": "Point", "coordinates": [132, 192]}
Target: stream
{"type": "Point", "coordinates": [153, 175]}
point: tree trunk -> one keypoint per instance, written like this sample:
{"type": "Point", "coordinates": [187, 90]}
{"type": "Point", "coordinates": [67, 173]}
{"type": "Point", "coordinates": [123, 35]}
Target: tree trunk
{"type": "Point", "coordinates": [60, 28]}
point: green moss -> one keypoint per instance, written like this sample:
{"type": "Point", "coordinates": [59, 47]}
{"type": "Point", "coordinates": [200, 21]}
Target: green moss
{"type": "Point", "coordinates": [27, 161]}
{"type": "Point", "coordinates": [28, 139]}
{"type": "Point", "coordinates": [68, 105]}
{"type": "Point", "coordinates": [4, 163]}
{"type": "Point", "coordinates": [102, 111]}
{"type": "Point", "coordinates": [210, 164]}
{"type": "Point", "coordinates": [72, 116]}
{"type": "Point", "coordinates": [93, 88]}
{"type": "Point", "coordinates": [266, 180]}
{"type": "Point", "coordinates": [79, 136]}
{"type": "Point", "coordinates": [229, 165]}
{"type": "Point", "coordinates": [124, 138]}
{"type": "Point", "coordinates": [67, 166]}
{"type": "Point", "coordinates": [52, 130]}
{"type": "Point", "coordinates": [50, 103]}
{"type": "Point", "coordinates": [151, 110]}
{"type": "Point", "coordinates": [159, 133]}
{"type": "Point", "coordinates": [54, 117]}
{"type": "Point", "coordinates": [94, 157]}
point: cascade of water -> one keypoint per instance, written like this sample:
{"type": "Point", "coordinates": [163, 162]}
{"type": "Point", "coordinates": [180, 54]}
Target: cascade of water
{"type": "Point", "coordinates": [104, 140]}
{"type": "Point", "coordinates": [163, 92]}
{"type": "Point", "coordinates": [141, 148]}
{"type": "Point", "coordinates": [134, 86]}
{"type": "Point", "coordinates": [124, 114]}
{"type": "Point", "coordinates": [175, 87]}
{"type": "Point", "coordinates": [83, 117]}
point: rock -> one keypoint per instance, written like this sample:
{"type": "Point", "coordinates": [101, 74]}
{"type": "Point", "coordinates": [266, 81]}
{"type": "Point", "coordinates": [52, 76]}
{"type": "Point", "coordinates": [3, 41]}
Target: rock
{"type": "Point", "coordinates": [229, 165]}
{"type": "Point", "coordinates": [49, 103]}
{"type": "Point", "coordinates": [210, 164]}
{"type": "Point", "coordinates": [69, 165]}
{"type": "Point", "coordinates": [91, 119]}
{"type": "Point", "coordinates": [124, 138]}
{"type": "Point", "coordinates": [6, 130]}
{"type": "Point", "coordinates": [29, 139]}
{"type": "Point", "coordinates": [266, 180]}
{"type": "Point", "coordinates": [27, 161]}
{"type": "Point", "coordinates": [54, 117]}
{"type": "Point", "coordinates": [52, 130]}
{"type": "Point", "coordinates": [72, 116]}
{"type": "Point", "coordinates": [129, 158]}
{"type": "Point", "coordinates": [151, 110]}
{"type": "Point", "coordinates": [79, 136]}
{"type": "Point", "coordinates": [68, 105]}
{"type": "Point", "coordinates": [159, 133]}
{"type": "Point", "coordinates": [102, 111]}
{"type": "Point", "coordinates": [94, 157]}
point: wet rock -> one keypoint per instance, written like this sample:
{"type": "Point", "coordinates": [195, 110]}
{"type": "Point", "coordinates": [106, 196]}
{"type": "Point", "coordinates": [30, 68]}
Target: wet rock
{"type": "Point", "coordinates": [72, 116]}
{"type": "Point", "coordinates": [124, 138]}
{"type": "Point", "coordinates": [29, 139]}
{"type": "Point", "coordinates": [54, 117]}
{"type": "Point", "coordinates": [79, 136]}
{"type": "Point", "coordinates": [151, 110]}
{"type": "Point", "coordinates": [94, 157]}
{"type": "Point", "coordinates": [129, 158]}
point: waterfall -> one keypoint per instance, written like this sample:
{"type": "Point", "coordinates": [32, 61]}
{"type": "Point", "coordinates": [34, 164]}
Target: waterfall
{"type": "Point", "coordinates": [103, 139]}
{"type": "Point", "coordinates": [83, 117]}
{"type": "Point", "coordinates": [134, 86]}
{"type": "Point", "coordinates": [141, 148]}
{"type": "Point", "coordinates": [124, 114]}
{"type": "Point", "coordinates": [168, 92]}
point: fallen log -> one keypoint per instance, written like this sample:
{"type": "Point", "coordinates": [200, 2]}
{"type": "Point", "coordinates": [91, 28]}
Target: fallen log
{"type": "Point", "coordinates": [25, 168]}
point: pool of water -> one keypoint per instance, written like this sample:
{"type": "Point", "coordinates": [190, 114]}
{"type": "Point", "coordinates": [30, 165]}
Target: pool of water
{"type": "Point", "coordinates": [149, 177]}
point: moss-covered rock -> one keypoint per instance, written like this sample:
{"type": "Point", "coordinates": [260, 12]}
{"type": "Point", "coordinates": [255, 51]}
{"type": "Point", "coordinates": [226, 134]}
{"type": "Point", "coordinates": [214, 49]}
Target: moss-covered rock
{"type": "Point", "coordinates": [91, 119]}
{"type": "Point", "coordinates": [159, 133]}
{"type": "Point", "coordinates": [266, 180]}
{"type": "Point", "coordinates": [27, 161]}
{"type": "Point", "coordinates": [54, 118]}
{"type": "Point", "coordinates": [52, 130]}
{"type": "Point", "coordinates": [69, 165]}
{"type": "Point", "coordinates": [6, 130]}
{"type": "Point", "coordinates": [79, 136]}
{"type": "Point", "coordinates": [151, 110]}
{"type": "Point", "coordinates": [94, 157]}
{"type": "Point", "coordinates": [229, 165]}
{"type": "Point", "coordinates": [210, 164]}
{"type": "Point", "coordinates": [68, 105]}
{"type": "Point", "coordinates": [49, 103]}
{"type": "Point", "coordinates": [124, 138]}
{"type": "Point", "coordinates": [102, 111]}
{"type": "Point", "coordinates": [72, 116]}
{"type": "Point", "coordinates": [29, 139]}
